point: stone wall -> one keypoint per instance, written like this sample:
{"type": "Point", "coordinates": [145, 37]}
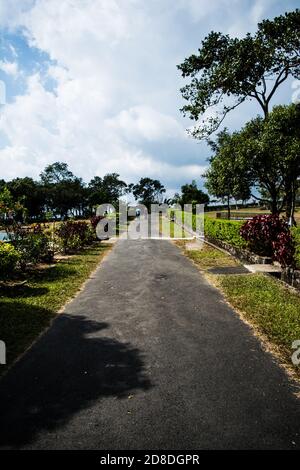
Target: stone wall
{"type": "Point", "coordinates": [240, 253]}
{"type": "Point", "coordinates": [291, 277]}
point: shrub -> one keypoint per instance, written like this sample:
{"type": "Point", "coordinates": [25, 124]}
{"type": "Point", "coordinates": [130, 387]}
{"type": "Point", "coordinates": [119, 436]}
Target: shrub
{"type": "Point", "coordinates": [95, 220]}
{"type": "Point", "coordinates": [268, 235]}
{"type": "Point", "coordinates": [9, 258]}
{"type": "Point", "coordinates": [74, 235]}
{"type": "Point", "coordinates": [32, 246]}
{"type": "Point", "coordinates": [224, 230]}
{"type": "Point", "coordinates": [284, 250]}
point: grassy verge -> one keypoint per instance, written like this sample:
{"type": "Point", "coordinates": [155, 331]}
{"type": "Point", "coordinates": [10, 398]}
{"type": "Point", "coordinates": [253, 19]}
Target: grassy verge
{"type": "Point", "coordinates": [209, 257]}
{"type": "Point", "coordinates": [26, 310]}
{"type": "Point", "coordinates": [270, 307]}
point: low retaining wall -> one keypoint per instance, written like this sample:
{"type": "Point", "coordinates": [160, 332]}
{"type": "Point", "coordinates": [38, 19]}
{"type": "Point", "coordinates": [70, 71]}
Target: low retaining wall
{"type": "Point", "coordinates": [291, 277]}
{"type": "Point", "coordinates": [241, 253]}
{"type": "Point", "coordinates": [288, 276]}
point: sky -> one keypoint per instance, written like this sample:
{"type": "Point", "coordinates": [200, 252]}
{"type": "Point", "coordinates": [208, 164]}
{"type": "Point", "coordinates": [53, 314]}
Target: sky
{"type": "Point", "coordinates": [94, 83]}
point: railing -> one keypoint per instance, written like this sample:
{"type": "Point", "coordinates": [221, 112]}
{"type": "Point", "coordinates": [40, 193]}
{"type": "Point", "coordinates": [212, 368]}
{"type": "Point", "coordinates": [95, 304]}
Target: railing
{"type": "Point", "coordinates": [237, 215]}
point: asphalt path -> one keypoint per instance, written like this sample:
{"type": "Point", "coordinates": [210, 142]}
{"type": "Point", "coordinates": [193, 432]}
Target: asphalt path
{"type": "Point", "coordinates": [148, 356]}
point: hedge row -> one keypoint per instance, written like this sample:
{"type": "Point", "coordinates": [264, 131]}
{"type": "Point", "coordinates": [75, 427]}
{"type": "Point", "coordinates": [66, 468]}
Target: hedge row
{"type": "Point", "coordinates": [229, 231]}
{"type": "Point", "coordinates": [225, 230]}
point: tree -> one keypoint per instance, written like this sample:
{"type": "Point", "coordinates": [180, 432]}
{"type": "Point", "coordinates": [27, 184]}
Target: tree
{"type": "Point", "coordinates": [264, 156]}
{"type": "Point", "coordinates": [56, 173]}
{"type": "Point", "coordinates": [9, 208]}
{"type": "Point", "coordinates": [228, 71]}
{"type": "Point", "coordinates": [148, 191]}
{"type": "Point", "coordinates": [30, 192]}
{"type": "Point", "coordinates": [190, 194]}
{"type": "Point", "coordinates": [228, 176]}
{"type": "Point", "coordinates": [272, 148]}
{"type": "Point", "coordinates": [104, 190]}
{"type": "Point", "coordinates": [64, 192]}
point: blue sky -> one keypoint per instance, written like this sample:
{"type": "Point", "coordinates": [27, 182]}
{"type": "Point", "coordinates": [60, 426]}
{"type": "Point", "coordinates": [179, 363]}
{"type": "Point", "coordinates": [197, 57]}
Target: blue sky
{"type": "Point", "coordinates": [94, 83]}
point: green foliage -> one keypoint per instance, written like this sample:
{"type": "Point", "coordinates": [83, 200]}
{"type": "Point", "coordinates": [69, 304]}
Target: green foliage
{"type": "Point", "coordinates": [30, 192]}
{"type": "Point", "coordinates": [191, 194]}
{"type": "Point", "coordinates": [148, 191]}
{"type": "Point", "coordinates": [32, 246]}
{"type": "Point", "coordinates": [106, 190]}
{"type": "Point", "coordinates": [56, 173]}
{"type": "Point", "coordinates": [296, 237]}
{"type": "Point", "coordinates": [74, 235]}
{"type": "Point", "coordinates": [227, 71]}
{"type": "Point", "coordinates": [9, 207]}
{"type": "Point", "coordinates": [265, 154]}
{"type": "Point", "coordinates": [227, 176]}
{"type": "Point", "coordinates": [224, 230]}
{"type": "Point", "coordinates": [271, 150]}
{"type": "Point", "coordinates": [9, 258]}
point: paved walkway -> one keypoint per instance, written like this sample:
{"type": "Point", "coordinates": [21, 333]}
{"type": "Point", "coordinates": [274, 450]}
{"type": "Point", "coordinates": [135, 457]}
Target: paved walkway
{"type": "Point", "coordinates": [148, 356]}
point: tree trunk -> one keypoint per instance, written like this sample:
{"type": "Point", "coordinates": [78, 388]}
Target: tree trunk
{"type": "Point", "coordinates": [228, 207]}
{"type": "Point", "coordinates": [274, 202]}
{"type": "Point", "coordinates": [292, 221]}
{"type": "Point", "coordinates": [290, 203]}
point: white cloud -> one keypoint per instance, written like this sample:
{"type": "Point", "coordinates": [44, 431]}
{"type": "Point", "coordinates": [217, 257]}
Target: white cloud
{"type": "Point", "coordinates": [10, 68]}
{"type": "Point", "coordinates": [116, 85]}
{"type": "Point", "coordinates": [143, 122]}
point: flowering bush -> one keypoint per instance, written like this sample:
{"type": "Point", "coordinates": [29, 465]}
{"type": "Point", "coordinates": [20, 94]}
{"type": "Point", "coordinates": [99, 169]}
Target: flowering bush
{"type": "Point", "coordinates": [74, 235]}
{"type": "Point", "coordinates": [268, 235]}
{"type": "Point", "coordinates": [9, 258]}
{"type": "Point", "coordinates": [33, 246]}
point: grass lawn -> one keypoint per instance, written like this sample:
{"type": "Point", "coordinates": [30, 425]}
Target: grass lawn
{"type": "Point", "coordinates": [270, 306]}
{"type": "Point", "coordinates": [253, 210]}
{"type": "Point", "coordinates": [26, 310]}
{"type": "Point", "coordinates": [209, 257]}
{"type": "Point", "coordinates": [264, 302]}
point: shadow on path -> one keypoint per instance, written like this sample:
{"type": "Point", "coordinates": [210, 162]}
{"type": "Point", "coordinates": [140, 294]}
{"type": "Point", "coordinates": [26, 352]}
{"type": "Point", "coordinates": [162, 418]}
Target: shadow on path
{"type": "Point", "coordinates": [69, 368]}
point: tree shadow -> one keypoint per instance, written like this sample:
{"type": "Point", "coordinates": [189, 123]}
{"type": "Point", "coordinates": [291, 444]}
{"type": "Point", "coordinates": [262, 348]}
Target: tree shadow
{"type": "Point", "coordinates": [69, 368]}
{"type": "Point", "coordinates": [22, 291]}
{"type": "Point", "coordinates": [51, 274]}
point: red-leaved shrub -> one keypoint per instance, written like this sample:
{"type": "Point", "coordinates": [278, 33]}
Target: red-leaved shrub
{"type": "Point", "coordinates": [95, 220]}
{"type": "Point", "coordinates": [268, 235]}
{"type": "Point", "coordinates": [284, 250]}
{"type": "Point", "coordinates": [74, 235]}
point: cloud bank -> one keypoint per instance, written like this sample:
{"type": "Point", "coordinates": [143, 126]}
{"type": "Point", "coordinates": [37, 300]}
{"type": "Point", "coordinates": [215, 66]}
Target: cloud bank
{"type": "Point", "coordinates": [102, 90]}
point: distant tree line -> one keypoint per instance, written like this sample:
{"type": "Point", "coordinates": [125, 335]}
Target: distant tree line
{"type": "Point", "coordinates": [58, 193]}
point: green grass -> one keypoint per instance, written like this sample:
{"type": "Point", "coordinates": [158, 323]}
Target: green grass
{"type": "Point", "coordinates": [26, 310]}
{"type": "Point", "coordinates": [272, 308]}
{"type": "Point", "coordinates": [170, 229]}
{"type": "Point", "coordinates": [209, 257]}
